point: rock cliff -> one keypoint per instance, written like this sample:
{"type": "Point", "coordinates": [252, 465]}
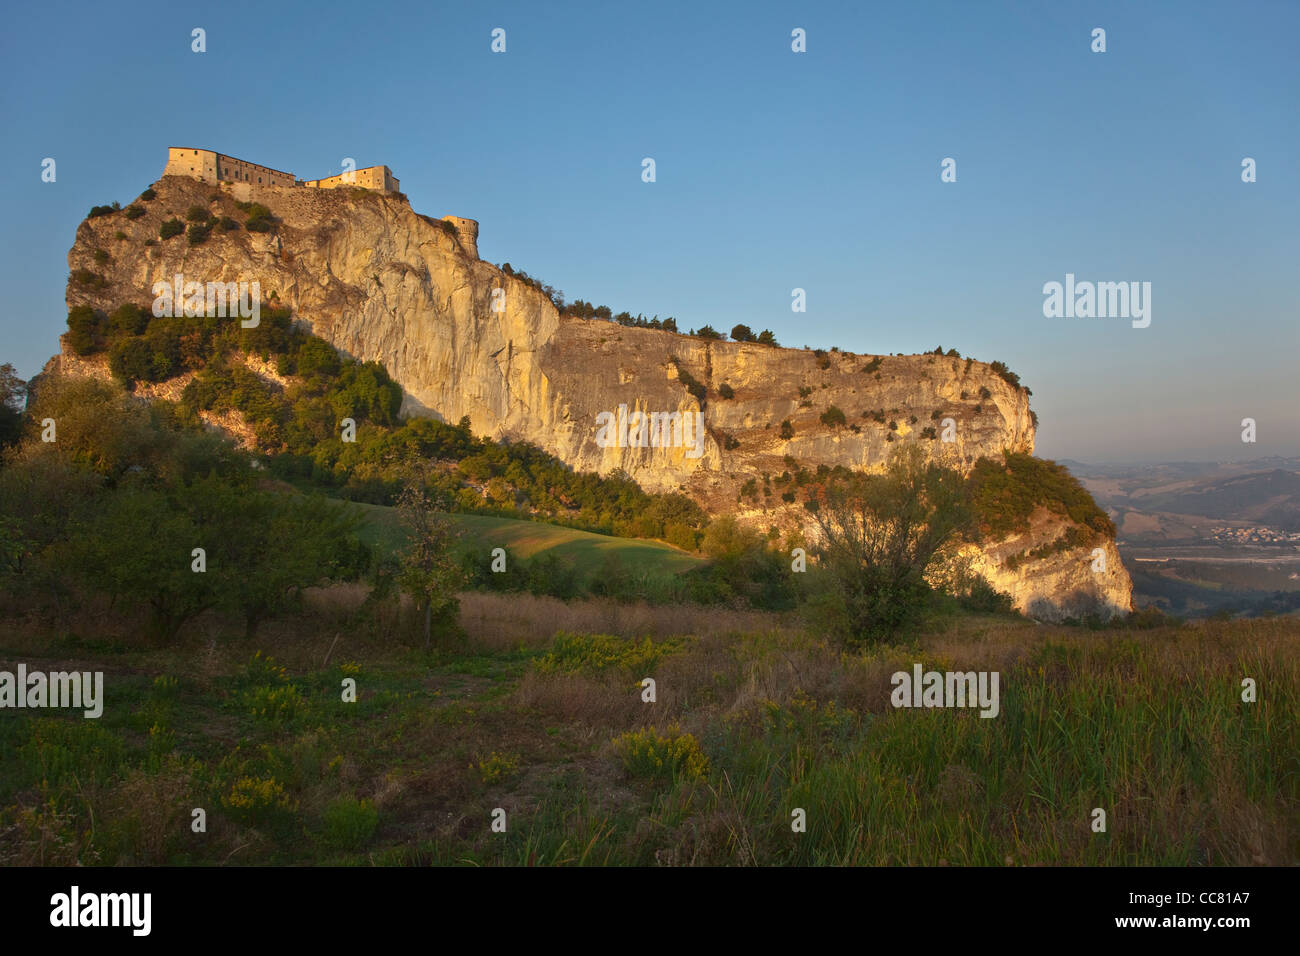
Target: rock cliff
{"type": "Point", "coordinates": [381, 282]}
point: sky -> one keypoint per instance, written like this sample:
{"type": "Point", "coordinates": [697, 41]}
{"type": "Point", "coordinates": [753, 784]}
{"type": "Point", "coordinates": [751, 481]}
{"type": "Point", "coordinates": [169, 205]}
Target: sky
{"type": "Point", "coordinates": [774, 171]}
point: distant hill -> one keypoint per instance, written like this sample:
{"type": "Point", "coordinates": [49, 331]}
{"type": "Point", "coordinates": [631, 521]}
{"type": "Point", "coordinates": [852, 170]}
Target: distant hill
{"type": "Point", "coordinates": [1265, 491]}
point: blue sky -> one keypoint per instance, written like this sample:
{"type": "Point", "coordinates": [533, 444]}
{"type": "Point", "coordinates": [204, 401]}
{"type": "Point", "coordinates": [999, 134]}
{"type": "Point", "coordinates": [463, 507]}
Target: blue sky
{"type": "Point", "coordinates": [775, 170]}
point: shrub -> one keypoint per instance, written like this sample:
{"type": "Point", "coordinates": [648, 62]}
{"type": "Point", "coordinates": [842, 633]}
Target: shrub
{"type": "Point", "coordinates": [119, 234]}
{"type": "Point", "coordinates": [101, 257]}
{"type": "Point", "coordinates": [128, 319]}
{"type": "Point", "coordinates": [198, 234]}
{"type": "Point", "coordinates": [496, 767]}
{"type": "Point", "coordinates": [96, 211]}
{"type": "Point", "coordinates": [666, 757]}
{"type": "Point", "coordinates": [350, 823]}
{"type": "Point", "coordinates": [873, 365]}
{"type": "Point", "coordinates": [257, 801]}
{"type": "Point", "coordinates": [983, 597]}
{"type": "Point", "coordinates": [172, 227]}
{"type": "Point", "coordinates": [277, 705]}
{"type": "Point", "coordinates": [833, 417]}
{"type": "Point", "coordinates": [694, 387]}
{"type": "Point", "coordinates": [148, 194]}
{"type": "Point", "coordinates": [787, 430]}
{"type": "Point", "coordinates": [228, 224]}
{"type": "Point", "coordinates": [726, 391]}
{"type": "Point", "coordinates": [449, 228]}
{"type": "Point", "coordinates": [197, 213]}
{"type": "Point", "coordinates": [594, 653]}
{"type": "Point", "coordinates": [259, 217]}
{"type": "Point", "coordinates": [1008, 376]}
{"type": "Point", "coordinates": [134, 212]}
{"type": "Point", "coordinates": [87, 278]}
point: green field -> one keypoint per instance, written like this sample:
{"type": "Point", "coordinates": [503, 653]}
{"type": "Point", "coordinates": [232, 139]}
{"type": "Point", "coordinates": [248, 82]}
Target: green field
{"type": "Point", "coordinates": [527, 539]}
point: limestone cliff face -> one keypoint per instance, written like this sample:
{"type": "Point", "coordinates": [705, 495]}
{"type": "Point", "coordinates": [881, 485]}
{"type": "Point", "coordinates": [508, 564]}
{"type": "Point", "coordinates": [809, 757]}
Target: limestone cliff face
{"type": "Point", "coordinates": [1055, 584]}
{"type": "Point", "coordinates": [381, 282]}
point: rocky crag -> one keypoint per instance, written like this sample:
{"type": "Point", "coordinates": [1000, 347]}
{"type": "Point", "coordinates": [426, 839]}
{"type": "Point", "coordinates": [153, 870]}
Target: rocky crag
{"type": "Point", "coordinates": [381, 282]}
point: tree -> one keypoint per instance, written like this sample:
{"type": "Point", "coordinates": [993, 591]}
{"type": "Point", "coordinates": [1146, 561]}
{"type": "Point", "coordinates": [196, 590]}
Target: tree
{"type": "Point", "coordinates": [878, 536]}
{"type": "Point", "coordinates": [430, 572]}
{"type": "Point", "coordinates": [742, 333]}
{"type": "Point", "coordinates": [140, 548]}
{"type": "Point", "coordinates": [766, 338]}
{"type": "Point", "coordinates": [13, 398]}
{"type": "Point", "coordinates": [709, 332]}
{"type": "Point", "coordinates": [279, 544]}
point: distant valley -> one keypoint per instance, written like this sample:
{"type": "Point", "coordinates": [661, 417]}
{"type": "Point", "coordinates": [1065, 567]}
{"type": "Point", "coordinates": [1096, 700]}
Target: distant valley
{"type": "Point", "coordinates": [1205, 537]}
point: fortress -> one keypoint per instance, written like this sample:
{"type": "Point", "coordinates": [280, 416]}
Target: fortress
{"type": "Point", "coordinates": [207, 165]}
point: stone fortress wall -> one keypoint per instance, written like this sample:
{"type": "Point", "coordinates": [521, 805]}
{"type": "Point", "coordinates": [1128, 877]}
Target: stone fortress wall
{"type": "Point", "coordinates": [211, 166]}
{"type": "Point", "coordinates": [372, 177]}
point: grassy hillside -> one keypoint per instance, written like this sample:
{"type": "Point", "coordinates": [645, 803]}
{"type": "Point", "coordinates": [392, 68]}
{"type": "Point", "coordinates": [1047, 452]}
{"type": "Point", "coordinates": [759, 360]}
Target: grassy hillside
{"type": "Point", "coordinates": [527, 539]}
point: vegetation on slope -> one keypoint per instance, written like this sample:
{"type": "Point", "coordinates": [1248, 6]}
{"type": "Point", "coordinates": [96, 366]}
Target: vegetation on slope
{"type": "Point", "coordinates": [299, 426]}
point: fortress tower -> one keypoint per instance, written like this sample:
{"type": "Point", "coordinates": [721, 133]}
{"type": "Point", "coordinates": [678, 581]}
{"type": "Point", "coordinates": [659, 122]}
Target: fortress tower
{"type": "Point", "coordinates": [467, 230]}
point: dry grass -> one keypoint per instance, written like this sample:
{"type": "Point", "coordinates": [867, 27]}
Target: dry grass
{"type": "Point", "coordinates": [509, 621]}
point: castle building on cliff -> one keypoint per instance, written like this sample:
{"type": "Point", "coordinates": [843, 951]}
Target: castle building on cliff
{"type": "Point", "coordinates": [209, 166]}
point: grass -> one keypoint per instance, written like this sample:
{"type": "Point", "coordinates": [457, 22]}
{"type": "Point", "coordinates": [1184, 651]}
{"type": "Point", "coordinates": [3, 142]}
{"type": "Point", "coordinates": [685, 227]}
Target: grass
{"type": "Point", "coordinates": [527, 539]}
{"type": "Point", "coordinates": [536, 709]}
